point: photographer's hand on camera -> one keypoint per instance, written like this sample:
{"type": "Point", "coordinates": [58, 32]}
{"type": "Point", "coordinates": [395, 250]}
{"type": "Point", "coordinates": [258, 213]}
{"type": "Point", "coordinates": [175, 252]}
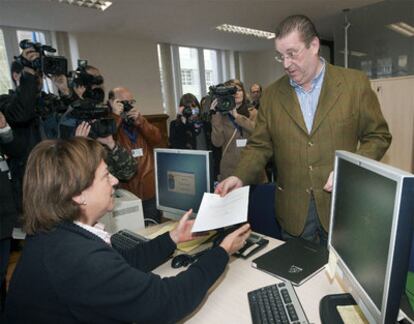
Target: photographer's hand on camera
{"type": "Point", "coordinates": [117, 106]}
{"type": "Point", "coordinates": [61, 82]}
{"type": "Point", "coordinates": [135, 114]}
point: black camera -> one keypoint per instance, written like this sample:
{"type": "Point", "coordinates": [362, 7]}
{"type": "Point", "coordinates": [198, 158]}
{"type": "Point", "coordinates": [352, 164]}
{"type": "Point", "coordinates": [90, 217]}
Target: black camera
{"type": "Point", "coordinates": [81, 77]}
{"type": "Point", "coordinates": [187, 111]}
{"type": "Point", "coordinates": [96, 115]}
{"type": "Point", "coordinates": [47, 64]}
{"type": "Point", "coordinates": [47, 104]}
{"type": "Point", "coordinates": [127, 107]}
{"type": "Point", "coordinates": [225, 97]}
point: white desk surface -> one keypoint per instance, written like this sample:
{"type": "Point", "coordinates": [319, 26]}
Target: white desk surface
{"type": "Point", "coordinates": [227, 301]}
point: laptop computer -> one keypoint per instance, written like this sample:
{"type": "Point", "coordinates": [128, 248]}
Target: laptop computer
{"type": "Point", "coordinates": [297, 260]}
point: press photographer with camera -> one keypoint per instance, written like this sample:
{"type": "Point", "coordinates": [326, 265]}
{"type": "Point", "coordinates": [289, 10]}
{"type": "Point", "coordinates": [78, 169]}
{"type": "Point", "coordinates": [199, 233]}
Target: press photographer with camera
{"type": "Point", "coordinates": [189, 130]}
{"type": "Point", "coordinates": [231, 123]}
{"type": "Point", "coordinates": [139, 137]}
{"type": "Point", "coordinates": [29, 112]}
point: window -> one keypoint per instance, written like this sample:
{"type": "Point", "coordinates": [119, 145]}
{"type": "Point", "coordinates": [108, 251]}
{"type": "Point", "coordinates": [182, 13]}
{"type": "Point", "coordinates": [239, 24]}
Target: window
{"type": "Point", "coordinates": [186, 77]}
{"type": "Point", "coordinates": [5, 79]}
{"type": "Point", "coordinates": [211, 67]}
{"type": "Point", "coordinates": [190, 71]}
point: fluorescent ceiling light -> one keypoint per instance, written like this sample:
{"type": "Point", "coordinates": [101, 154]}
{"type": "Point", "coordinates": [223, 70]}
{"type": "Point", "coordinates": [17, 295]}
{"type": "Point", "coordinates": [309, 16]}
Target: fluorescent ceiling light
{"type": "Point", "coordinates": [402, 28]}
{"type": "Point", "coordinates": [94, 4]}
{"type": "Point", "coordinates": [246, 31]}
{"type": "Point", "coordinates": [354, 53]}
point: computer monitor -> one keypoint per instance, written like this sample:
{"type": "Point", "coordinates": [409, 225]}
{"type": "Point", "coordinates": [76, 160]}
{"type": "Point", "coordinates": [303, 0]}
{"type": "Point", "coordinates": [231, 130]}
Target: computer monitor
{"type": "Point", "coordinates": [181, 179]}
{"type": "Point", "coordinates": [370, 232]}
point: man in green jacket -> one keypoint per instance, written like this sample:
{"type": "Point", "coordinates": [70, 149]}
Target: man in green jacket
{"type": "Point", "coordinates": [315, 109]}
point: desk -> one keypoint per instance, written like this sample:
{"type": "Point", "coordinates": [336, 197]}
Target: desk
{"type": "Point", "coordinates": [227, 301]}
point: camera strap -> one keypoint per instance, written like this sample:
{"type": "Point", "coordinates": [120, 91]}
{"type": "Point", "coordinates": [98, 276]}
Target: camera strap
{"type": "Point", "coordinates": [236, 126]}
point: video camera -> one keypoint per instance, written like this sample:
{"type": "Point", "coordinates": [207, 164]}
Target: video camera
{"type": "Point", "coordinates": [47, 64]}
{"type": "Point", "coordinates": [48, 103]}
{"type": "Point", "coordinates": [81, 77]}
{"type": "Point", "coordinates": [225, 97]}
{"type": "Point", "coordinates": [96, 115]}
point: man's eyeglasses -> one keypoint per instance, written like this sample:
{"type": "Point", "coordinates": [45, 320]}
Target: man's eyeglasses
{"type": "Point", "coordinates": [291, 55]}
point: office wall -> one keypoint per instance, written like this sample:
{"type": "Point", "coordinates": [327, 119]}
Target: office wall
{"type": "Point", "coordinates": [124, 61]}
{"type": "Point", "coordinates": [259, 67]}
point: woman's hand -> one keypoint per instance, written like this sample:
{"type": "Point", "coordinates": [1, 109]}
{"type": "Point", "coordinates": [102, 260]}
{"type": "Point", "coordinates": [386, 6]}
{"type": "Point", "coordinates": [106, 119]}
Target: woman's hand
{"type": "Point", "coordinates": [235, 240]}
{"type": "Point", "coordinates": [214, 104]}
{"type": "Point", "coordinates": [182, 232]}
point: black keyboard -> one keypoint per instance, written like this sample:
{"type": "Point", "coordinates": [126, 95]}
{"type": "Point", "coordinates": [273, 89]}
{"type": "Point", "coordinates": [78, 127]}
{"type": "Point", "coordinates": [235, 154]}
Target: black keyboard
{"type": "Point", "coordinates": [125, 239]}
{"type": "Point", "coordinates": [277, 303]}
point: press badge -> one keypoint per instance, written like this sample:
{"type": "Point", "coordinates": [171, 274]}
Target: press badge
{"type": "Point", "coordinates": [3, 166]}
{"type": "Point", "coordinates": [137, 152]}
{"type": "Point", "coordinates": [241, 142]}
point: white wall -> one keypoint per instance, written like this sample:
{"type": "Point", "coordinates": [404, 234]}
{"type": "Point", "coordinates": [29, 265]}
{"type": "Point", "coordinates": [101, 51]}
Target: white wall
{"type": "Point", "coordinates": [259, 67]}
{"type": "Point", "coordinates": [125, 62]}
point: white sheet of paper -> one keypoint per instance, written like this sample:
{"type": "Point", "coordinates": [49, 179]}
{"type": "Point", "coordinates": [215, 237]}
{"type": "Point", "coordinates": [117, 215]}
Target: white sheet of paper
{"type": "Point", "coordinates": [217, 212]}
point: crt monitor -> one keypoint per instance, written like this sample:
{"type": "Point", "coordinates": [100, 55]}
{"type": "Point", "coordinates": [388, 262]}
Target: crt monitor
{"type": "Point", "coordinates": [181, 179]}
{"type": "Point", "coordinates": [370, 232]}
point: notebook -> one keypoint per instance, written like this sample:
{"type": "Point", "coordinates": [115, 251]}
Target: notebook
{"type": "Point", "coordinates": [297, 260]}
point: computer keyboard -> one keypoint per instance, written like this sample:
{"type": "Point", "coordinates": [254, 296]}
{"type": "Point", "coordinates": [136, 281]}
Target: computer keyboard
{"type": "Point", "coordinates": [125, 239]}
{"type": "Point", "coordinates": [277, 303]}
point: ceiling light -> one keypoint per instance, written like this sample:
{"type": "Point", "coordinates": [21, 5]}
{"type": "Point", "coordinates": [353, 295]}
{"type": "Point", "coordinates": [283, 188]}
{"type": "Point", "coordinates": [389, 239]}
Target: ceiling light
{"type": "Point", "coordinates": [245, 31]}
{"type": "Point", "coordinates": [354, 53]}
{"type": "Point", "coordinates": [94, 4]}
{"type": "Point", "coordinates": [402, 28]}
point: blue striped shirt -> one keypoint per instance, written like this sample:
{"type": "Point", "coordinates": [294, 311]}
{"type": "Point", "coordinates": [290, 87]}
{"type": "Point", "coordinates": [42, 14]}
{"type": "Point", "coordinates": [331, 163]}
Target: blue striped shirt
{"type": "Point", "coordinates": [308, 100]}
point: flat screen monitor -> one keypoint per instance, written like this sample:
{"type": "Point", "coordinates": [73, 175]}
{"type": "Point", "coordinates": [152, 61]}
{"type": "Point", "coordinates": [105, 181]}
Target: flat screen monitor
{"type": "Point", "coordinates": [370, 232]}
{"type": "Point", "coordinates": [181, 178]}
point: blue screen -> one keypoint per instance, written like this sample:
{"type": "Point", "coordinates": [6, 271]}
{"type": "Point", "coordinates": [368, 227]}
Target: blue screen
{"type": "Point", "coordinates": [182, 180]}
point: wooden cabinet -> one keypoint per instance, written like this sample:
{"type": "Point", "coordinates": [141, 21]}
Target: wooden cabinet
{"type": "Point", "coordinates": [160, 120]}
{"type": "Point", "coordinates": [396, 96]}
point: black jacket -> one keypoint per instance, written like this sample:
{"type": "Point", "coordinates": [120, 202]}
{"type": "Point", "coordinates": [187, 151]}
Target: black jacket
{"type": "Point", "coordinates": [69, 275]}
{"type": "Point", "coordinates": [184, 136]}
{"type": "Point", "coordinates": [19, 109]}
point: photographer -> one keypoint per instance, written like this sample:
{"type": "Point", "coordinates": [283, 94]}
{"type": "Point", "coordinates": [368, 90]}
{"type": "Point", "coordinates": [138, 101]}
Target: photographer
{"type": "Point", "coordinates": [230, 128]}
{"type": "Point", "coordinates": [189, 131]}
{"type": "Point", "coordinates": [139, 137]}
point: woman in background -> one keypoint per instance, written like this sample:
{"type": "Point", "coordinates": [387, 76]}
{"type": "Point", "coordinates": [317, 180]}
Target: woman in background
{"type": "Point", "coordinates": [70, 273]}
{"type": "Point", "coordinates": [231, 129]}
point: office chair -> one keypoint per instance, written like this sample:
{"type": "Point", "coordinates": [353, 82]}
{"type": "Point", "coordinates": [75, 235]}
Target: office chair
{"type": "Point", "coordinates": [261, 213]}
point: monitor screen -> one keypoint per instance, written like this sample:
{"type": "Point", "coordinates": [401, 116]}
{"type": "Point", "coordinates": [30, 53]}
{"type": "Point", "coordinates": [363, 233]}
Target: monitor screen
{"type": "Point", "coordinates": [370, 218]}
{"type": "Point", "coordinates": [182, 178]}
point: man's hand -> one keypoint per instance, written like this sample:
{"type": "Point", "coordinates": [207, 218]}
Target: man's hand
{"type": "Point", "coordinates": [83, 129]}
{"type": "Point", "coordinates": [227, 185]}
{"type": "Point", "coordinates": [107, 141]}
{"type": "Point", "coordinates": [30, 54]}
{"type": "Point", "coordinates": [135, 114]}
{"type": "Point", "coordinates": [61, 82]}
{"type": "Point", "coordinates": [3, 122]}
{"type": "Point", "coordinates": [329, 184]}
{"type": "Point", "coordinates": [182, 232]}
{"type": "Point", "coordinates": [236, 240]}
{"type": "Point", "coordinates": [116, 106]}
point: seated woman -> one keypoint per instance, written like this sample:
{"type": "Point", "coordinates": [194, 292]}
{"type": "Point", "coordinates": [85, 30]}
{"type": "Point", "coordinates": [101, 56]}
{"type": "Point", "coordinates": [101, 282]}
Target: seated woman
{"type": "Point", "coordinates": [189, 131]}
{"type": "Point", "coordinates": [68, 271]}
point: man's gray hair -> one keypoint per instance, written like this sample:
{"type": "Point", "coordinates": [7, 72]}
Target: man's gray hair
{"type": "Point", "coordinates": [300, 23]}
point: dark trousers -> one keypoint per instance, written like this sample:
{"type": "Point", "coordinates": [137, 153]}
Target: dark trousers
{"type": "Point", "coordinates": [4, 260]}
{"type": "Point", "coordinates": [150, 210]}
{"type": "Point", "coordinates": [313, 230]}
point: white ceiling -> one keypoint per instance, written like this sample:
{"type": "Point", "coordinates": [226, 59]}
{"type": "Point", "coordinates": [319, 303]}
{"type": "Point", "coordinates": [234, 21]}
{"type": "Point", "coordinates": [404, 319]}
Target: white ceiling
{"type": "Point", "coordinates": [183, 22]}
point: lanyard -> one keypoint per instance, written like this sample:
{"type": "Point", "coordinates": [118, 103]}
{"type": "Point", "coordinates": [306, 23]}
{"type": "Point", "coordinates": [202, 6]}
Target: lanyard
{"type": "Point", "coordinates": [236, 126]}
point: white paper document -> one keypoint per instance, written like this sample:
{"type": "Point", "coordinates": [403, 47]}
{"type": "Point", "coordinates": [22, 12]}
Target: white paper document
{"type": "Point", "coordinates": [217, 212]}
